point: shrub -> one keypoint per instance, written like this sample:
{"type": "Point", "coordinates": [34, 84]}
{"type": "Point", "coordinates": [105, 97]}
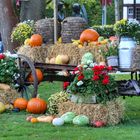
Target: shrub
{"type": "Point", "coordinates": [105, 31]}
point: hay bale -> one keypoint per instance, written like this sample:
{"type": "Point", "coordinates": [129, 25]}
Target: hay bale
{"type": "Point", "coordinates": [75, 54]}
{"type": "Point", "coordinates": [69, 49]}
{"type": "Point", "coordinates": [111, 113]}
{"type": "Point", "coordinates": [36, 54]}
{"type": "Point", "coordinates": [8, 96]}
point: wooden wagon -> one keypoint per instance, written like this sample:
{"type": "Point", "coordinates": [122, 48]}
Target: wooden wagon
{"type": "Point", "coordinates": [26, 66]}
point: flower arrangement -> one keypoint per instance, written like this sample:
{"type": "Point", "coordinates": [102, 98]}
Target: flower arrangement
{"type": "Point", "coordinates": [111, 49]}
{"type": "Point", "coordinates": [127, 27]}
{"type": "Point", "coordinates": [22, 31]}
{"type": "Point", "coordinates": [94, 81]}
{"type": "Point", "coordinates": [8, 68]}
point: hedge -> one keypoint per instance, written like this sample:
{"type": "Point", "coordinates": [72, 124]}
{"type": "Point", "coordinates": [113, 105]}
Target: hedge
{"type": "Point", "coordinates": [105, 31]}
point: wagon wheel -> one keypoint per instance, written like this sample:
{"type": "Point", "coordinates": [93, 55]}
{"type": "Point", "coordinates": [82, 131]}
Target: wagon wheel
{"type": "Point", "coordinates": [26, 67]}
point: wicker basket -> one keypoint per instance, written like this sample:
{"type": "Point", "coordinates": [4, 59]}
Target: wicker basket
{"type": "Point", "coordinates": [72, 27]}
{"type": "Point", "coordinates": [45, 27]}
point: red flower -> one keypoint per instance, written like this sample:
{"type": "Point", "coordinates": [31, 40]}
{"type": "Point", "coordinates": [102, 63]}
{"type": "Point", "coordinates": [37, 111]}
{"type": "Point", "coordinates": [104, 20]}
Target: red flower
{"type": "Point", "coordinates": [80, 77]}
{"type": "Point", "coordinates": [76, 69]}
{"type": "Point", "coordinates": [105, 81]}
{"type": "Point", "coordinates": [96, 77]}
{"type": "Point", "coordinates": [96, 68]}
{"type": "Point", "coordinates": [2, 56]}
{"type": "Point", "coordinates": [101, 67]}
{"type": "Point", "coordinates": [106, 77]}
{"type": "Point", "coordinates": [97, 73]}
{"type": "Point", "coordinates": [109, 68]}
{"type": "Point", "coordinates": [65, 85]}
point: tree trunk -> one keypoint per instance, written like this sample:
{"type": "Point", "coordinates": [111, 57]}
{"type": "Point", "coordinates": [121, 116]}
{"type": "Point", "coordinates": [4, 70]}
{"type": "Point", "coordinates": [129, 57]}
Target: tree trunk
{"type": "Point", "coordinates": [32, 10]}
{"type": "Point", "coordinates": [7, 21]}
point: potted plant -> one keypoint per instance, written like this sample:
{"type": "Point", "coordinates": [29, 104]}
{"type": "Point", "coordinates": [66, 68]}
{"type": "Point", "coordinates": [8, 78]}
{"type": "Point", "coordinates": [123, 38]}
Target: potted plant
{"type": "Point", "coordinates": [127, 30]}
{"type": "Point", "coordinates": [110, 53]}
{"type": "Point", "coordinates": [93, 85]}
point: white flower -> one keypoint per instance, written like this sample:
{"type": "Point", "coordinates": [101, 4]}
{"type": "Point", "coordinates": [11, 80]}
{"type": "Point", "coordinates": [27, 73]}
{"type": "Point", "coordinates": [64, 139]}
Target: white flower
{"type": "Point", "coordinates": [8, 54]}
{"type": "Point", "coordinates": [80, 83]}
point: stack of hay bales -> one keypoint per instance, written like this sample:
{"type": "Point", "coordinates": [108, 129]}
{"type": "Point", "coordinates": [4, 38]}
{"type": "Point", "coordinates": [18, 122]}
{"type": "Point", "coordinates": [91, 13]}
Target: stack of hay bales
{"type": "Point", "coordinates": [72, 27]}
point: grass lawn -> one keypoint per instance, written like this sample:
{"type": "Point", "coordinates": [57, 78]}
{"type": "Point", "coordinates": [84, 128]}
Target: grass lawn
{"type": "Point", "coordinates": [13, 126]}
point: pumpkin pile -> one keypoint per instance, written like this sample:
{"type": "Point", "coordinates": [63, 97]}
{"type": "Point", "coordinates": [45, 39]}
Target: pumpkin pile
{"type": "Point", "coordinates": [34, 105]}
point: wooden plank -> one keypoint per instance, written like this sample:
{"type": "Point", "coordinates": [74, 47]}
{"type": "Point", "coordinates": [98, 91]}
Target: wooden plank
{"type": "Point", "coordinates": [55, 67]}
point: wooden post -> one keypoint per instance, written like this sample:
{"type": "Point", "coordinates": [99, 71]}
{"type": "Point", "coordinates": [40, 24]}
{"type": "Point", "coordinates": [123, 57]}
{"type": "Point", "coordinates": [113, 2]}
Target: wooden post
{"type": "Point", "coordinates": [55, 20]}
{"type": "Point", "coordinates": [117, 15]}
{"type": "Point", "coordinates": [7, 21]}
{"type": "Point", "coordinates": [104, 12]}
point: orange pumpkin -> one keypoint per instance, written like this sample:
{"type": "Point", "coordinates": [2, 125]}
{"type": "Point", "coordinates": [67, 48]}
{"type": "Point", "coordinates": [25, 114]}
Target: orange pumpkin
{"type": "Point", "coordinates": [36, 106]}
{"type": "Point", "coordinates": [39, 76]}
{"type": "Point", "coordinates": [20, 103]}
{"type": "Point", "coordinates": [36, 40]}
{"type": "Point", "coordinates": [88, 35]}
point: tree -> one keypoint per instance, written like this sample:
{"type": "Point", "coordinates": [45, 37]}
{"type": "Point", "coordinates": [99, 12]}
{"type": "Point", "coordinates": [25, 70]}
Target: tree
{"type": "Point", "coordinates": [7, 22]}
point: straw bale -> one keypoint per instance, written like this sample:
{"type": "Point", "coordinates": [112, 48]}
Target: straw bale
{"type": "Point", "coordinates": [36, 54]}
{"type": "Point", "coordinates": [8, 96]}
{"type": "Point", "coordinates": [111, 113]}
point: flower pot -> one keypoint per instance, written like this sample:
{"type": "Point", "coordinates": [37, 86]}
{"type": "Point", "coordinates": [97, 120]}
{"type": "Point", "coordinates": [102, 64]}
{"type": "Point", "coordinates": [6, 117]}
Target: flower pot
{"type": "Point", "coordinates": [112, 61]}
{"type": "Point", "coordinates": [77, 98]}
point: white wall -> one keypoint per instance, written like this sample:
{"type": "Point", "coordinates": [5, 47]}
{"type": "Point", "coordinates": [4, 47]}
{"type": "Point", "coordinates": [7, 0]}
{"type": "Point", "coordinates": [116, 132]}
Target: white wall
{"type": "Point", "coordinates": [128, 1]}
{"type": "Point", "coordinates": [124, 12]}
{"type": "Point", "coordinates": [131, 1]}
{"type": "Point", "coordinates": [138, 1]}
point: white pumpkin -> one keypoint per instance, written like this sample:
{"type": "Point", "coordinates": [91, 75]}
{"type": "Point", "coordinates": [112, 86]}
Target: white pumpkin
{"type": "Point", "coordinates": [52, 60]}
{"type": "Point", "coordinates": [58, 122]}
{"type": "Point", "coordinates": [64, 59]}
{"type": "Point", "coordinates": [2, 107]}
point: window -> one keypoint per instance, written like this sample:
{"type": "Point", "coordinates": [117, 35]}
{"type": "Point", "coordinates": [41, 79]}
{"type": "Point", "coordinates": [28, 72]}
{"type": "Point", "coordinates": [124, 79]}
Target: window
{"type": "Point", "coordinates": [130, 11]}
{"type": "Point", "coordinates": [138, 13]}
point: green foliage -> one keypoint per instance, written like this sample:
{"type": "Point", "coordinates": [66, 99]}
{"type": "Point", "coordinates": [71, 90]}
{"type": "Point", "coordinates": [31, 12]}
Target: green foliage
{"type": "Point", "coordinates": [22, 31]}
{"type": "Point", "coordinates": [8, 70]}
{"type": "Point", "coordinates": [93, 8]}
{"type": "Point", "coordinates": [54, 101]}
{"type": "Point", "coordinates": [105, 31]}
{"type": "Point", "coordinates": [109, 50]}
{"type": "Point", "coordinates": [127, 27]}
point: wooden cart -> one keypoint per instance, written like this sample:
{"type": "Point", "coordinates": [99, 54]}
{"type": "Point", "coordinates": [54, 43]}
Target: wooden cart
{"type": "Point", "coordinates": [26, 66]}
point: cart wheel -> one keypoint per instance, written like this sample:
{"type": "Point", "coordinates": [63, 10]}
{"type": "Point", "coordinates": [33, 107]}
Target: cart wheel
{"type": "Point", "coordinates": [26, 67]}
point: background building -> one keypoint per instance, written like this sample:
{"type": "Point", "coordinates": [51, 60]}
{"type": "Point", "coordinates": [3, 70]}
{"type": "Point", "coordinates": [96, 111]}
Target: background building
{"type": "Point", "coordinates": [131, 9]}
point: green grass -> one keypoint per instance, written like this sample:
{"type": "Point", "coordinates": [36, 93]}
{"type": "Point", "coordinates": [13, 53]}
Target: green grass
{"type": "Point", "coordinates": [13, 126]}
